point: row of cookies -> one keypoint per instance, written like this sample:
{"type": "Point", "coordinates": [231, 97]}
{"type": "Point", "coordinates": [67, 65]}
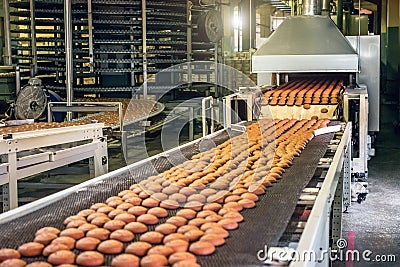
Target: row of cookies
{"type": "Point", "coordinates": [305, 92]}
{"type": "Point", "coordinates": [131, 109]}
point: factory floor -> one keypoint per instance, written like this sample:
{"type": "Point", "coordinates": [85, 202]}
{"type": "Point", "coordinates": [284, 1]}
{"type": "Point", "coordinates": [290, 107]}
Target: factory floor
{"type": "Point", "coordinates": [374, 225]}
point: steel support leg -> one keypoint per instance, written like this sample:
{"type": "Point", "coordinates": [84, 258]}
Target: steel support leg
{"type": "Point", "coordinates": [323, 260]}
{"type": "Point", "coordinates": [191, 123]}
{"type": "Point", "coordinates": [124, 144]}
{"type": "Point", "coordinates": [6, 198]}
{"type": "Point", "coordinates": [101, 159]}
{"type": "Point", "coordinates": [364, 132]}
{"type": "Point", "coordinates": [144, 48]}
{"type": "Point", "coordinates": [91, 168]}
{"type": "Point", "coordinates": [337, 210]}
{"type": "Point", "coordinates": [342, 199]}
{"type": "Point", "coordinates": [12, 184]}
{"type": "Point", "coordinates": [347, 178]}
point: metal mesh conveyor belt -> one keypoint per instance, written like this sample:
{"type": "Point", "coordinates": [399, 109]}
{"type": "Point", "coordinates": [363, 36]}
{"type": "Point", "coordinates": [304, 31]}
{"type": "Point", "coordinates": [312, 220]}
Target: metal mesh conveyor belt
{"type": "Point", "coordinates": [22, 229]}
{"type": "Point", "coordinates": [262, 225]}
{"type": "Point", "coordinates": [265, 224]}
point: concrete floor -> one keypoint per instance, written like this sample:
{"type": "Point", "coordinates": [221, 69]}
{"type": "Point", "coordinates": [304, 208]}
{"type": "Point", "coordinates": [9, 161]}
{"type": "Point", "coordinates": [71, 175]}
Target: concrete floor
{"type": "Point", "coordinates": [376, 221]}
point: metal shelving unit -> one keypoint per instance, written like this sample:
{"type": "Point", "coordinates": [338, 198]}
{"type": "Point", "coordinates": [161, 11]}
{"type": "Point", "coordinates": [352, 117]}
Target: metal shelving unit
{"type": "Point", "coordinates": [117, 45]}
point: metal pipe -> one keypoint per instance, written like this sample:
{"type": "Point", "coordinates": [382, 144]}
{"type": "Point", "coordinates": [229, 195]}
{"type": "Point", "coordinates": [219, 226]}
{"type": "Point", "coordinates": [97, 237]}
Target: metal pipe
{"type": "Point", "coordinates": [120, 117]}
{"type": "Point", "coordinates": [144, 44]}
{"type": "Point", "coordinates": [189, 51]}
{"type": "Point", "coordinates": [68, 55]}
{"type": "Point", "coordinates": [292, 8]}
{"type": "Point", "coordinates": [253, 24]}
{"type": "Point", "coordinates": [224, 112]}
{"type": "Point", "coordinates": [237, 41]}
{"type": "Point", "coordinates": [7, 34]}
{"type": "Point", "coordinates": [204, 113]}
{"type": "Point", "coordinates": [325, 7]}
{"type": "Point", "coordinates": [133, 63]}
{"type": "Point", "coordinates": [17, 79]}
{"type": "Point", "coordinates": [191, 123]}
{"type": "Point", "coordinates": [90, 29]}
{"type": "Point", "coordinates": [248, 17]}
{"type": "Point", "coordinates": [311, 7]}
{"type": "Point", "coordinates": [216, 69]}
{"type": "Point", "coordinates": [340, 14]}
{"type": "Point", "coordinates": [33, 39]}
{"type": "Point", "coordinates": [299, 9]}
{"type": "Point", "coordinates": [250, 24]}
{"type": "Point", "coordinates": [236, 110]}
{"type": "Point", "coordinates": [232, 40]}
{"type": "Point", "coordinates": [49, 111]}
{"type": "Point", "coordinates": [212, 114]}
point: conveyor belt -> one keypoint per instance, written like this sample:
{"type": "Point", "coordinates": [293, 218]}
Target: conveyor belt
{"type": "Point", "coordinates": [272, 213]}
{"type": "Point", "coordinates": [265, 224]}
{"type": "Point", "coordinates": [55, 213]}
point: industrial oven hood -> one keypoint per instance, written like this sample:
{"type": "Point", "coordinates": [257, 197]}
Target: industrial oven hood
{"type": "Point", "coordinates": [306, 44]}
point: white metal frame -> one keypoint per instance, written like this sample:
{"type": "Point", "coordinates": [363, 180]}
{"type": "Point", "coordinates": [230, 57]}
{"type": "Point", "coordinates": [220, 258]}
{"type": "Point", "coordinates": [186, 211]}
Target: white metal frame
{"type": "Point", "coordinates": [228, 109]}
{"type": "Point", "coordinates": [51, 148]}
{"type": "Point", "coordinates": [207, 107]}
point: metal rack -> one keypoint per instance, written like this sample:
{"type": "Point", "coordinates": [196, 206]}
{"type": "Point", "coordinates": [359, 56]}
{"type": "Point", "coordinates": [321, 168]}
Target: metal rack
{"type": "Point", "coordinates": [117, 45]}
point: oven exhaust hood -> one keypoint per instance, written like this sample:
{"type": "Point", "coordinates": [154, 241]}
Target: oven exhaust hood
{"type": "Point", "coordinates": [306, 44]}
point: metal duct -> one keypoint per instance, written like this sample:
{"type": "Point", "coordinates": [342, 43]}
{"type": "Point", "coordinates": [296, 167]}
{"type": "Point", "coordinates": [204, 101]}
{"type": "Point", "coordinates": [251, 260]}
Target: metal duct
{"type": "Point", "coordinates": [325, 7]}
{"type": "Point", "coordinates": [311, 7]}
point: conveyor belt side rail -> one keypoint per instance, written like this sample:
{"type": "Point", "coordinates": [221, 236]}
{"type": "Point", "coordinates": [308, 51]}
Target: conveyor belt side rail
{"type": "Point", "coordinates": [86, 107]}
{"type": "Point", "coordinates": [315, 237]}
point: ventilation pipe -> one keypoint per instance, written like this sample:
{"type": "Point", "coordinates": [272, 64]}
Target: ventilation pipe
{"type": "Point", "coordinates": [309, 7]}
{"type": "Point", "coordinates": [325, 7]}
